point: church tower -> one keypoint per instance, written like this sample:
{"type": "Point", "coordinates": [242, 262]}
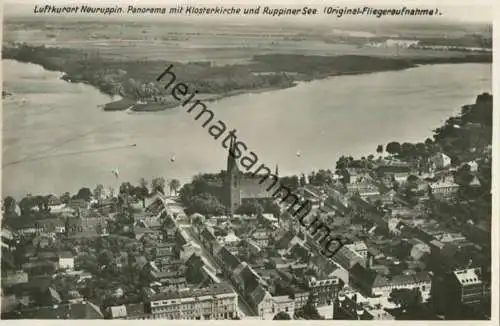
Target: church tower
{"type": "Point", "coordinates": [232, 181]}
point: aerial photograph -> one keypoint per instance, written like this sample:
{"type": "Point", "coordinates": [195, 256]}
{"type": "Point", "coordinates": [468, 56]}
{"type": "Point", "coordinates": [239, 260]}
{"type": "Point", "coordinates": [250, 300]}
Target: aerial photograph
{"type": "Point", "coordinates": [166, 161]}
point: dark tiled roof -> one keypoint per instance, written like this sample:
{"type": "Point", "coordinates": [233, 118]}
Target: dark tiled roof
{"type": "Point", "coordinates": [229, 260]}
{"type": "Point", "coordinates": [369, 277]}
{"type": "Point", "coordinates": [258, 294]}
{"type": "Point", "coordinates": [65, 254]}
{"type": "Point", "coordinates": [284, 241]}
{"type": "Point", "coordinates": [207, 235]}
{"type": "Point", "coordinates": [135, 309]}
{"type": "Point", "coordinates": [219, 288]}
{"type": "Point", "coordinates": [250, 279]}
{"type": "Point", "coordinates": [68, 311]}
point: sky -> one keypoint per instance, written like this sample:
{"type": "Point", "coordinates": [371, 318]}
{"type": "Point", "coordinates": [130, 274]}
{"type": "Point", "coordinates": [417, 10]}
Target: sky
{"type": "Point", "coordinates": [472, 10]}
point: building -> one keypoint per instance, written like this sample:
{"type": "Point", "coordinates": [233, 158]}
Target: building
{"type": "Point", "coordinates": [66, 260]}
{"type": "Point", "coordinates": [7, 239]}
{"type": "Point", "coordinates": [188, 249]}
{"type": "Point", "coordinates": [93, 223]}
{"type": "Point", "coordinates": [215, 302]}
{"type": "Point", "coordinates": [261, 237]}
{"type": "Point", "coordinates": [12, 278]}
{"type": "Point", "coordinates": [401, 43]}
{"type": "Point", "coordinates": [372, 284]}
{"type": "Point", "coordinates": [239, 187]}
{"type": "Point", "coordinates": [283, 304]}
{"type": "Point", "coordinates": [469, 287]}
{"type": "Point", "coordinates": [347, 257]}
{"type": "Point", "coordinates": [82, 310]}
{"type": "Point", "coordinates": [440, 161]}
{"type": "Point", "coordinates": [364, 189]}
{"type": "Point", "coordinates": [324, 291]}
{"type": "Point", "coordinates": [347, 307]}
{"type": "Point", "coordinates": [443, 188]}
{"type": "Point", "coordinates": [262, 302]}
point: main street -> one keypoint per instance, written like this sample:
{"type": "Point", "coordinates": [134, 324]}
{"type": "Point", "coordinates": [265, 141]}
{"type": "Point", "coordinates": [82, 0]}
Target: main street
{"type": "Point", "coordinates": [172, 207]}
{"type": "Point", "coordinates": [243, 307]}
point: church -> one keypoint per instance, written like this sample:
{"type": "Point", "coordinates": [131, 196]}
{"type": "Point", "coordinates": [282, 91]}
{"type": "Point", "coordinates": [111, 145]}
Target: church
{"type": "Point", "coordinates": [239, 186]}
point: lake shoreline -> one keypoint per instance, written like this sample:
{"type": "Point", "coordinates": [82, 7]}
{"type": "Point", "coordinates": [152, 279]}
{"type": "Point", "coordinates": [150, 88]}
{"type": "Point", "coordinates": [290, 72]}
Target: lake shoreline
{"type": "Point", "coordinates": [137, 83]}
{"type": "Point", "coordinates": [294, 115]}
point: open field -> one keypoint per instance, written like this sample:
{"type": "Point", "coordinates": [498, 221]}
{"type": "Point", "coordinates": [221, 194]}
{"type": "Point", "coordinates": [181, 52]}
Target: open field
{"type": "Point", "coordinates": [221, 44]}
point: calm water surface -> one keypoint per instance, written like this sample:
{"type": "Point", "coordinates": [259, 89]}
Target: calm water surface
{"type": "Point", "coordinates": [322, 120]}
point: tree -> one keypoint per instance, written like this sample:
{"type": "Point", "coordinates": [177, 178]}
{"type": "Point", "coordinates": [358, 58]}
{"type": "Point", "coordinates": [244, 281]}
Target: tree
{"type": "Point", "coordinates": [406, 298]}
{"type": "Point", "coordinates": [393, 148]}
{"type": "Point", "coordinates": [84, 193]}
{"type": "Point", "coordinates": [99, 191]}
{"type": "Point", "coordinates": [26, 204]}
{"type": "Point", "coordinates": [41, 202]}
{"type": "Point", "coordinates": [407, 149]}
{"type": "Point", "coordinates": [158, 185]}
{"type": "Point", "coordinates": [302, 180]}
{"type": "Point", "coordinates": [141, 193]}
{"type": "Point", "coordinates": [126, 188]}
{"type": "Point", "coordinates": [65, 197]}
{"type": "Point", "coordinates": [421, 149]}
{"type": "Point", "coordinates": [205, 204]}
{"type": "Point", "coordinates": [282, 316]}
{"type": "Point", "coordinates": [380, 149]}
{"type": "Point", "coordinates": [250, 207]}
{"type": "Point", "coordinates": [174, 185]}
{"type": "Point", "coordinates": [412, 178]}
{"type": "Point", "coordinates": [105, 257]}
{"type": "Point", "coordinates": [9, 206]}
{"type": "Point", "coordinates": [463, 176]}
{"type": "Point", "coordinates": [99, 228]}
{"type": "Point", "coordinates": [309, 311]}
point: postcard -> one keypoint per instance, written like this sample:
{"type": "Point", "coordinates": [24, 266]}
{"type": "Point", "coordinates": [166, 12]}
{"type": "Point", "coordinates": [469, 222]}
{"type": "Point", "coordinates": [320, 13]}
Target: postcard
{"type": "Point", "coordinates": [239, 161]}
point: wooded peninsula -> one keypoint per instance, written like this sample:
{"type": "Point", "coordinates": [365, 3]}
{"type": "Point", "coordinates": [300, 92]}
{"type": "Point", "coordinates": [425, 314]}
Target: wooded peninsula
{"type": "Point", "coordinates": [134, 80]}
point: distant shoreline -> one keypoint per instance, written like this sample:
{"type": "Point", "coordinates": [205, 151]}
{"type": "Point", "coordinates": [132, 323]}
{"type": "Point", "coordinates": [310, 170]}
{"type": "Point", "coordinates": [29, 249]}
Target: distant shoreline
{"type": "Point", "coordinates": [265, 73]}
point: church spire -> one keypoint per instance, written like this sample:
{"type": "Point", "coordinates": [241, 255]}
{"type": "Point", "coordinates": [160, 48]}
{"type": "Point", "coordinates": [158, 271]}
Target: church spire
{"type": "Point", "coordinates": [231, 161]}
{"type": "Point", "coordinates": [277, 172]}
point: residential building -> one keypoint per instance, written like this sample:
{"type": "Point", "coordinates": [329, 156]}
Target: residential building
{"type": "Point", "coordinates": [173, 279]}
{"type": "Point", "coordinates": [283, 303]}
{"type": "Point", "coordinates": [261, 237]}
{"type": "Point", "coordinates": [469, 287]}
{"type": "Point", "coordinates": [12, 278]}
{"type": "Point", "coordinates": [189, 249]}
{"type": "Point", "coordinates": [363, 189]}
{"type": "Point", "coordinates": [215, 302]}
{"type": "Point", "coordinates": [300, 297]}
{"type": "Point", "coordinates": [373, 284]}
{"type": "Point", "coordinates": [347, 307]}
{"type": "Point", "coordinates": [227, 260]}
{"type": "Point", "coordinates": [443, 188]}
{"type": "Point", "coordinates": [66, 260]}
{"type": "Point", "coordinates": [358, 247]}
{"type": "Point", "coordinates": [262, 302]}
{"type": "Point", "coordinates": [347, 258]}
{"type": "Point", "coordinates": [323, 291]}
{"type": "Point", "coordinates": [82, 310]}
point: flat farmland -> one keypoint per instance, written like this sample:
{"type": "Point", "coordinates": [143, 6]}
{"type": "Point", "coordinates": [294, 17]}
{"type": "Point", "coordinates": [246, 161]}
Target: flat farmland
{"type": "Point", "coordinates": [221, 45]}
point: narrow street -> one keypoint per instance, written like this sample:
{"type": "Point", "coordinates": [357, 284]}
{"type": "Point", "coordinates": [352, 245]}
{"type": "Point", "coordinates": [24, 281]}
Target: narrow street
{"type": "Point", "coordinates": [243, 308]}
{"type": "Point", "coordinates": [172, 207]}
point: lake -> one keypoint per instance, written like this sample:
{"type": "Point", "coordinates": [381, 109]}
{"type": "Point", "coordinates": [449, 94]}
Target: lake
{"type": "Point", "coordinates": [346, 115]}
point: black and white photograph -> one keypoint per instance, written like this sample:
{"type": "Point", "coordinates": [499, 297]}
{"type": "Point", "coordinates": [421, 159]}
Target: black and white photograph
{"type": "Point", "coordinates": [248, 160]}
